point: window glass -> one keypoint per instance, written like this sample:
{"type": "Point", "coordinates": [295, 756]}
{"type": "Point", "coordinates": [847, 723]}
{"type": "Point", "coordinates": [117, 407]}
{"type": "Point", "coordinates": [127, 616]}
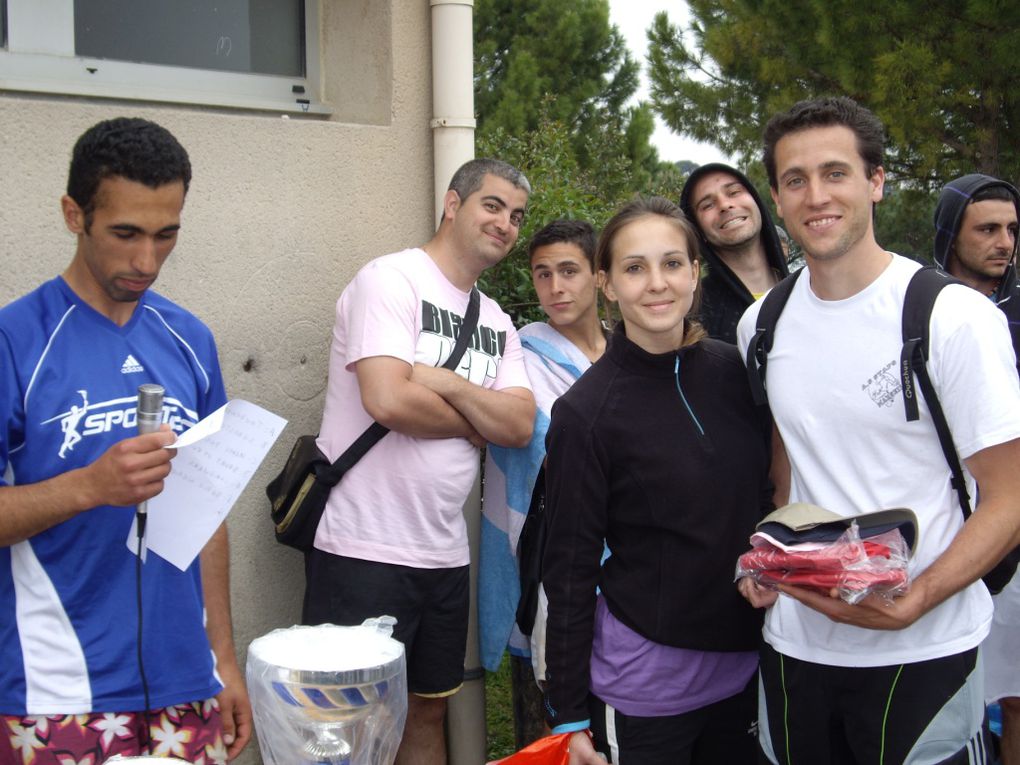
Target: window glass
{"type": "Point", "coordinates": [256, 36]}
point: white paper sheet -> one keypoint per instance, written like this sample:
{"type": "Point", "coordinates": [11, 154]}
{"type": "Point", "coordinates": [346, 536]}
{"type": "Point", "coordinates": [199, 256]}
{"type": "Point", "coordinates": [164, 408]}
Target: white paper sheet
{"type": "Point", "coordinates": [216, 459]}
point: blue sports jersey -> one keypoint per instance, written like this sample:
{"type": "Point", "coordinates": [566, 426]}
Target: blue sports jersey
{"type": "Point", "coordinates": [68, 390]}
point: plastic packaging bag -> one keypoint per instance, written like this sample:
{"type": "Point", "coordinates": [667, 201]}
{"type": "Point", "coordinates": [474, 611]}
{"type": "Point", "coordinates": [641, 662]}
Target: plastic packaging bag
{"type": "Point", "coordinates": [854, 567]}
{"type": "Point", "coordinates": [328, 694]}
{"type": "Point", "coordinates": [550, 750]}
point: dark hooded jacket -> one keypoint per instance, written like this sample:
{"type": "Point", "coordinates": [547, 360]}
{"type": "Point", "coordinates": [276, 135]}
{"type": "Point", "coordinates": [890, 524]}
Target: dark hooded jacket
{"type": "Point", "coordinates": [949, 211]}
{"type": "Point", "coordinates": [724, 298]}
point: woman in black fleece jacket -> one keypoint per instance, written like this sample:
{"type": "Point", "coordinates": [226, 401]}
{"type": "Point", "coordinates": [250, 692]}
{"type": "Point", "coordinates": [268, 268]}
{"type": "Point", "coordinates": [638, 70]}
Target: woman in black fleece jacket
{"type": "Point", "coordinates": [658, 451]}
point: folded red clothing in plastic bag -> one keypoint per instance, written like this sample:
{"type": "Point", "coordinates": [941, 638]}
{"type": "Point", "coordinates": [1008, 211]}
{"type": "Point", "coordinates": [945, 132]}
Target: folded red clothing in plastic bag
{"type": "Point", "coordinates": [853, 567]}
{"type": "Point", "coordinates": [827, 580]}
{"type": "Point", "coordinates": [834, 556]}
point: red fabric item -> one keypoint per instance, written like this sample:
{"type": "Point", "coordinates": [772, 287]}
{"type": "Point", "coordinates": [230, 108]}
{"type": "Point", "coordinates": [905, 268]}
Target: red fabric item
{"type": "Point", "coordinates": [852, 566]}
{"type": "Point", "coordinates": [551, 750]}
{"type": "Point", "coordinates": [826, 580]}
{"type": "Point", "coordinates": [833, 557]}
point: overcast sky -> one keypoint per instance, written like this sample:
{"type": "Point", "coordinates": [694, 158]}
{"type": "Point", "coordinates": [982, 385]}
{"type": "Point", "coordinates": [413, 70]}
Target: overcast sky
{"type": "Point", "coordinates": [633, 17]}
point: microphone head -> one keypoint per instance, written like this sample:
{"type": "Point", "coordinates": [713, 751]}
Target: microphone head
{"type": "Point", "coordinates": [150, 407]}
{"type": "Point", "coordinates": [150, 398]}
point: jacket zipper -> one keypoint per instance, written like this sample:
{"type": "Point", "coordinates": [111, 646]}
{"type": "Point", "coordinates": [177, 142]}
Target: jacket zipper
{"type": "Point", "coordinates": [680, 390]}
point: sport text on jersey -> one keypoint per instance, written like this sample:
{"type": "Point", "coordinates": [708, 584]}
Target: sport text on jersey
{"type": "Point", "coordinates": [84, 419]}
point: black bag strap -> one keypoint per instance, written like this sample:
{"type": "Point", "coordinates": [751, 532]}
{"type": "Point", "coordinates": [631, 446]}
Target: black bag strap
{"type": "Point", "coordinates": [330, 475]}
{"type": "Point", "coordinates": [467, 330]}
{"type": "Point", "coordinates": [758, 348]}
{"type": "Point", "coordinates": [923, 289]}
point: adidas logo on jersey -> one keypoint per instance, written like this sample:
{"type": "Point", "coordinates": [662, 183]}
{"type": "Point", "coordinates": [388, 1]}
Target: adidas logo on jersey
{"type": "Point", "coordinates": [130, 366]}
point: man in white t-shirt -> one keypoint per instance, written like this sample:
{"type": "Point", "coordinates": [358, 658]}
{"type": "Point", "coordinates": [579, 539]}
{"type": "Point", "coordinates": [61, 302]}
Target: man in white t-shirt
{"type": "Point", "coordinates": [897, 681]}
{"type": "Point", "coordinates": [393, 539]}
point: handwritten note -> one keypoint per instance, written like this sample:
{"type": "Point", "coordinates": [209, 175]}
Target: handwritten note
{"type": "Point", "coordinates": [215, 461]}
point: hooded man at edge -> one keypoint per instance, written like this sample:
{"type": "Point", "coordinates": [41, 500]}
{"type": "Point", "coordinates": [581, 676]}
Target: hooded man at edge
{"type": "Point", "coordinates": [976, 237]}
{"type": "Point", "coordinates": [745, 258]}
{"type": "Point", "coordinates": [976, 241]}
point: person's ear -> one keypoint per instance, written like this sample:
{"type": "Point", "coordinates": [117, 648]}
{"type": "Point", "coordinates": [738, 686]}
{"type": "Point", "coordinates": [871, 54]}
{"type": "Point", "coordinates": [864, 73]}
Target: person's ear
{"type": "Point", "coordinates": [74, 216]}
{"type": "Point", "coordinates": [451, 203]}
{"type": "Point", "coordinates": [607, 286]}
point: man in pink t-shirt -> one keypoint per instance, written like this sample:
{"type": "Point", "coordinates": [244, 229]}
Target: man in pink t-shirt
{"type": "Point", "coordinates": [393, 539]}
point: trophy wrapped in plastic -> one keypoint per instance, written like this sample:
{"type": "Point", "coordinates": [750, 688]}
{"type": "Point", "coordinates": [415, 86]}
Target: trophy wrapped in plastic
{"type": "Point", "coordinates": [329, 695]}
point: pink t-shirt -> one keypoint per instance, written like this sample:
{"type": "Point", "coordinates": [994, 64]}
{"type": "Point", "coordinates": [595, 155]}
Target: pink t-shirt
{"type": "Point", "coordinates": [402, 502]}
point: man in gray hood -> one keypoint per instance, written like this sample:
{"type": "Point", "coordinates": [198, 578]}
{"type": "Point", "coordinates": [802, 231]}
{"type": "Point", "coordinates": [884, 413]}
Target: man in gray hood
{"type": "Point", "coordinates": [739, 244]}
{"type": "Point", "coordinates": [976, 241]}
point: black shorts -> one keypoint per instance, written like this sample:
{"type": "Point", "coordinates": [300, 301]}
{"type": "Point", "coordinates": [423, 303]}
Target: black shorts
{"type": "Point", "coordinates": [430, 605]}
{"type": "Point", "coordinates": [928, 711]}
{"type": "Point", "coordinates": [718, 734]}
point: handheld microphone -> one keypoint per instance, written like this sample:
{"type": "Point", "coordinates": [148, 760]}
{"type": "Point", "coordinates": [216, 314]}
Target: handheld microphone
{"type": "Point", "coordinates": [150, 416]}
{"type": "Point", "coordinates": [150, 408]}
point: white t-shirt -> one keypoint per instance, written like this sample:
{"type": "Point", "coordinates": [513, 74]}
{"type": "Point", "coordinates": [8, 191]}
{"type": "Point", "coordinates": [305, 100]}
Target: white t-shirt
{"type": "Point", "coordinates": [402, 502]}
{"type": "Point", "coordinates": [834, 389]}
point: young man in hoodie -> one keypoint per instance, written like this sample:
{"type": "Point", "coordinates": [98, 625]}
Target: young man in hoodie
{"type": "Point", "coordinates": [976, 238]}
{"type": "Point", "coordinates": [976, 241]}
{"type": "Point", "coordinates": [745, 258]}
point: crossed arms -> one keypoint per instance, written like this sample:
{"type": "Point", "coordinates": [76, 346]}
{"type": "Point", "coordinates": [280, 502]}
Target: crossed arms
{"type": "Point", "coordinates": [433, 402]}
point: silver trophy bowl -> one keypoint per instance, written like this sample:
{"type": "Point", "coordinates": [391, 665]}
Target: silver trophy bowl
{"type": "Point", "coordinates": [328, 695]}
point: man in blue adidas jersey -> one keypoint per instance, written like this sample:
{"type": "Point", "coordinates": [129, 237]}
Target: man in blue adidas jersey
{"type": "Point", "coordinates": [84, 674]}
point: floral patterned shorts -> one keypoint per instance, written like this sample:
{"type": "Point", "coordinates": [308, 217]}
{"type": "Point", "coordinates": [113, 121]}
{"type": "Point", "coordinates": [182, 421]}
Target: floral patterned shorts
{"type": "Point", "coordinates": [190, 732]}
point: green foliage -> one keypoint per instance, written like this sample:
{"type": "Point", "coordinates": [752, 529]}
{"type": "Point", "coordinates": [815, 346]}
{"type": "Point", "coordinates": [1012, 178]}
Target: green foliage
{"type": "Point", "coordinates": [940, 74]}
{"type": "Point", "coordinates": [904, 223]}
{"type": "Point", "coordinates": [562, 188]}
{"type": "Point", "coordinates": [528, 49]}
{"type": "Point", "coordinates": [560, 61]}
{"type": "Point", "coordinates": [552, 80]}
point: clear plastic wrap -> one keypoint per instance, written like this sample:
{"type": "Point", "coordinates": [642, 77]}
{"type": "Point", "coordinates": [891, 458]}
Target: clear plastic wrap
{"type": "Point", "coordinates": [852, 566]}
{"type": "Point", "coordinates": [329, 695]}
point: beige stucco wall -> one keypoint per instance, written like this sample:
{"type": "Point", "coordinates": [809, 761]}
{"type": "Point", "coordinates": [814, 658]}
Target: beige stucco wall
{"type": "Point", "coordinates": [280, 215]}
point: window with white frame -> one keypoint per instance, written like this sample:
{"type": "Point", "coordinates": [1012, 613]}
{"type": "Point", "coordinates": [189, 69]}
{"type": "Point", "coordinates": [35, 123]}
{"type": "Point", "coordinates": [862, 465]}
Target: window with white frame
{"type": "Point", "coordinates": [257, 54]}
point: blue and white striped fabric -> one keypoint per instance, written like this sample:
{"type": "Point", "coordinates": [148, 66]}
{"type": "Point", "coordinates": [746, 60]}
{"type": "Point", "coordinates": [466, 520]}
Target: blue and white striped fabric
{"type": "Point", "coordinates": [553, 364]}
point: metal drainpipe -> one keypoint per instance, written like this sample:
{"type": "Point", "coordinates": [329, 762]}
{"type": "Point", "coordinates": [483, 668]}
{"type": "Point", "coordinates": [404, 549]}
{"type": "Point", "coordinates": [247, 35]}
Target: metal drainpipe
{"type": "Point", "coordinates": [453, 97]}
{"type": "Point", "coordinates": [453, 136]}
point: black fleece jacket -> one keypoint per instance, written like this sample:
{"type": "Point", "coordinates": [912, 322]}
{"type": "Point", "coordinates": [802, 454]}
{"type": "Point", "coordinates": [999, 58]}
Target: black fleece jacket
{"type": "Point", "coordinates": [949, 211]}
{"type": "Point", "coordinates": [724, 298]}
{"type": "Point", "coordinates": [628, 463]}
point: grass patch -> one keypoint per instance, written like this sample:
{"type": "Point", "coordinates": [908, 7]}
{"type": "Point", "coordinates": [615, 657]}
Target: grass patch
{"type": "Point", "coordinates": [499, 712]}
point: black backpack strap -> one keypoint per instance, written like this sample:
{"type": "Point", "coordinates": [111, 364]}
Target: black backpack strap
{"type": "Point", "coordinates": [923, 289]}
{"type": "Point", "coordinates": [918, 302]}
{"type": "Point", "coordinates": [758, 348]}
{"type": "Point", "coordinates": [330, 475]}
